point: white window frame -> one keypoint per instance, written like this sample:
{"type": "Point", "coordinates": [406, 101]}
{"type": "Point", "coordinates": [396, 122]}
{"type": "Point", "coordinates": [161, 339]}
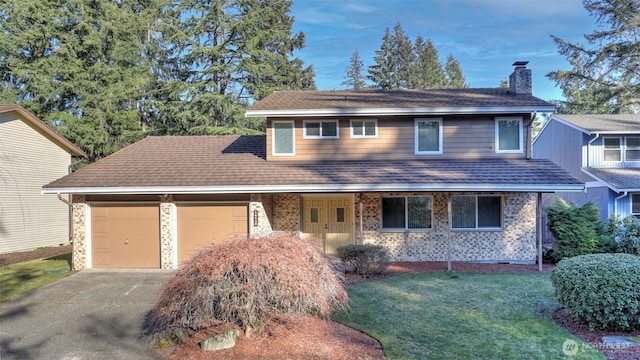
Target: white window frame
{"type": "Point", "coordinates": [620, 149]}
{"type": "Point", "coordinates": [304, 129]}
{"type": "Point", "coordinates": [406, 214]}
{"type": "Point", "coordinates": [476, 228]}
{"type": "Point", "coordinates": [416, 138]}
{"type": "Point", "coordinates": [520, 149]}
{"type": "Point", "coordinates": [351, 128]}
{"type": "Point", "coordinates": [273, 138]}
{"type": "Point", "coordinates": [626, 148]}
{"type": "Point", "coordinates": [632, 195]}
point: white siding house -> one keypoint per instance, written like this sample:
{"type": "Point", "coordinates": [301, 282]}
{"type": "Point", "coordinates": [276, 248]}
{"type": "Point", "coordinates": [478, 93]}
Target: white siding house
{"type": "Point", "coordinates": [31, 155]}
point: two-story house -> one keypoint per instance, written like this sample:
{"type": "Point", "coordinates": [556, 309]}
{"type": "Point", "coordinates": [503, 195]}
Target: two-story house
{"type": "Point", "coordinates": [429, 174]}
{"type": "Point", "coordinates": [32, 154]}
{"type": "Point", "coordinates": [601, 150]}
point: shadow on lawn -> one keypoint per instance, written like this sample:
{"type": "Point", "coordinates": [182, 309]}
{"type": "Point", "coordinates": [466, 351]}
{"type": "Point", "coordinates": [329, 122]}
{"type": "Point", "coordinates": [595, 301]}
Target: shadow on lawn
{"type": "Point", "coordinates": [66, 257]}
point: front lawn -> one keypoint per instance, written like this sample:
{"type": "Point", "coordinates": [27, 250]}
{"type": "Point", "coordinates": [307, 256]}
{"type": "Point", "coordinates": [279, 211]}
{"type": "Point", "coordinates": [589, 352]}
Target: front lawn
{"type": "Point", "coordinates": [19, 279]}
{"type": "Point", "coordinates": [461, 316]}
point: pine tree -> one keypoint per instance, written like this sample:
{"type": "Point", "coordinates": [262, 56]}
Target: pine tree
{"type": "Point", "coordinates": [605, 76]}
{"type": "Point", "coordinates": [354, 77]}
{"type": "Point", "coordinates": [404, 58]}
{"type": "Point", "coordinates": [453, 71]}
{"type": "Point", "coordinates": [428, 72]}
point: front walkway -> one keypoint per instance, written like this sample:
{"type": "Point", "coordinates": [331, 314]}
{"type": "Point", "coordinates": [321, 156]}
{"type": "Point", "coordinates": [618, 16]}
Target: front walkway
{"type": "Point", "coordinates": [89, 315]}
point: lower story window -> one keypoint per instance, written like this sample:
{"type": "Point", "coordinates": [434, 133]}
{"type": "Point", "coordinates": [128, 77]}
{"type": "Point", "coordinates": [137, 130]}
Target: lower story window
{"type": "Point", "coordinates": [476, 212]}
{"type": "Point", "coordinates": [406, 213]}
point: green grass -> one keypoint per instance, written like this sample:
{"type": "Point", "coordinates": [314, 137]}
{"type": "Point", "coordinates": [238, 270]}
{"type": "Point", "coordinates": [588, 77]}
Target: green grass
{"type": "Point", "coordinates": [19, 279]}
{"type": "Point", "coordinates": [461, 316]}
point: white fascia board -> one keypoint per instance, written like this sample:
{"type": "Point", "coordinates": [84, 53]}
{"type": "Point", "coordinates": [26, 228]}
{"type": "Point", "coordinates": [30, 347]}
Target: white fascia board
{"type": "Point", "coordinates": [397, 111]}
{"type": "Point", "coordinates": [246, 189]}
{"type": "Point", "coordinates": [602, 181]}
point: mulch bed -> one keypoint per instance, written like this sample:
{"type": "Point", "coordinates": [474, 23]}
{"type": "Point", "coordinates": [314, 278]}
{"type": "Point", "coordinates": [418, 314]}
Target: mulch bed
{"type": "Point", "coordinates": [22, 256]}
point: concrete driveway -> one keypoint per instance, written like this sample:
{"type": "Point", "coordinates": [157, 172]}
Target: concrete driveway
{"type": "Point", "coordinates": [89, 315]}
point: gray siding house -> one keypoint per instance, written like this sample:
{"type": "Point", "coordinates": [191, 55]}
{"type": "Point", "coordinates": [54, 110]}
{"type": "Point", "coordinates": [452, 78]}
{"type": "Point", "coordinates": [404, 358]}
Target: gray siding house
{"type": "Point", "coordinates": [601, 150]}
{"type": "Point", "coordinates": [31, 155]}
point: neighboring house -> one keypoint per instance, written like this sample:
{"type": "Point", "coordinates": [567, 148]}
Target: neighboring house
{"type": "Point", "coordinates": [601, 150]}
{"type": "Point", "coordinates": [432, 175]}
{"type": "Point", "coordinates": [31, 155]}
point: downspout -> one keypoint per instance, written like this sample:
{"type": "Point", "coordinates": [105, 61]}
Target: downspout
{"type": "Point", "coordinates": [70, 216]}
{"type": "Point", "coordinates": [615, 202]}
{"type": "Point", "coordinates": [589, 148]}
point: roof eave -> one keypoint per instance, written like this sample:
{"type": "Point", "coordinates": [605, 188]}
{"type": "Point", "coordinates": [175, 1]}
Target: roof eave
{"type": "Point", "coordinates": [398, 111]}
{"type": "Point", "coordinates": [310, 188]}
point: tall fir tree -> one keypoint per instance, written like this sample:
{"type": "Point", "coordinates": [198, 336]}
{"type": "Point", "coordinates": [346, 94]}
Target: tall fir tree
{"type": "Point", "coordinates": [428, 72]}
{"type": "Point", "coordinates": [383, 72]}
{"type": "Point", "coordinates": [404, 57]}
{"type": "Point", "coordinates": [354, 77]}
{"type": "Point", "coordinates": [604, 77]}
{"type": "Point", "coordinates": [453, 71]}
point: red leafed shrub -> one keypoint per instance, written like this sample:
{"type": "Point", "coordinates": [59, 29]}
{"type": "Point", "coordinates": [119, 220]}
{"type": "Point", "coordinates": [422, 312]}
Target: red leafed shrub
{"type": "Point", "coordinates": [244, 280]}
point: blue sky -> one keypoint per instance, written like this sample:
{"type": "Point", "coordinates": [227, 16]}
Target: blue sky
{"type": "Point", "coordinates": [486, 36]}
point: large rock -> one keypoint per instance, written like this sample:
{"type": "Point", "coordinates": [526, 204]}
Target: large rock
{"type": "Point", "coordinates": [223, 340]}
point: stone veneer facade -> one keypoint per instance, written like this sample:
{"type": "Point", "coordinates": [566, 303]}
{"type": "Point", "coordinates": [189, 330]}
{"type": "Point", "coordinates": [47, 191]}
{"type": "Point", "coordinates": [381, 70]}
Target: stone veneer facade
{"type": "Point", "coordinates": [516, 242]}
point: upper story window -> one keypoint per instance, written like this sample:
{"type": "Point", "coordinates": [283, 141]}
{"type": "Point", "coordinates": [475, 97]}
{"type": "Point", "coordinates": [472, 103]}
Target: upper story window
{"type": "Point", "coordinates": [509, 136]}
{"type": "Point", "coordinates": [612, 148]}
{"type": "Point", "coordinates": [283, 138]}
{"type": "Point", "coordinates": [364, 128]}
{"type": "Point", "coordinates": [407, 213]}
{"type": "Point", "coordinates": [321, 129]}
{"type": "Point", "coordinates": [428, 136]}
{"type": "Point", "coordinates": [632, 150]}
{"type": "Point", "coordinates": [476, 212]}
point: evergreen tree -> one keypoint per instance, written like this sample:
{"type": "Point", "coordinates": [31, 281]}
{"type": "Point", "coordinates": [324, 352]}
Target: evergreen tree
{"type": "Point", "coordinates": [383, 72]}
{"type": "Point", "coordinates": [453, 71]}
{"type": "Point", "coordinates": [404, 58]}
{"type": "Point", "coordinates": [604, 77]}
{"type": "Point", "coordinates": [427, 72]}
{"type": "Point", "coordinates": [354, 77]}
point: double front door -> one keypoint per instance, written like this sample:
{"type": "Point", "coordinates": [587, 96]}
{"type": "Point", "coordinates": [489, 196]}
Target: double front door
{"type": "Point", "coordinates": [329, 220]}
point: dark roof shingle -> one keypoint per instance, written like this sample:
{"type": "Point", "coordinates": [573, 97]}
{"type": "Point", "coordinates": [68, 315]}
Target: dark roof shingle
{"type": "Point", "coordinates": [613, 123]}
{"type": "Point", "coordinates": [239, 162]}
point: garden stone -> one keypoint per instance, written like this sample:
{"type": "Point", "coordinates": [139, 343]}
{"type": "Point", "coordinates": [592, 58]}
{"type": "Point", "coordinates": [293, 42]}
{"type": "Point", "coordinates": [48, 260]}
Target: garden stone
{"type": "Point", "coordinates": [620, 341]}
{"type": "Point", "coordinates": [223, 340]}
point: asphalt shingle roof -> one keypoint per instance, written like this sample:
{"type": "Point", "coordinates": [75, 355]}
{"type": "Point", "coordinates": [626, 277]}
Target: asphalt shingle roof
{"type": "Point", "coordinates": [354, 100]}
{"type": "Point", "coordinates": [206, 161]}
{"type": "Point", "coordinates": [621, 179]}
{"type": "Point", "coordinates": [604, 123]}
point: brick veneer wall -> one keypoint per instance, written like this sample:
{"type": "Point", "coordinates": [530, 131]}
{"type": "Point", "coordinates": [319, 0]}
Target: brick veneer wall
{"type": "Point", "coordinates": [168, 213]}
{"type": "Point", "coordinates": [287, 210]}
{"type": "Point", "coordinates": [262, 204]}
{"type": "Point", "coordinates": [515, 243]}
{"type": "Point", "coordinates": [79, 213]}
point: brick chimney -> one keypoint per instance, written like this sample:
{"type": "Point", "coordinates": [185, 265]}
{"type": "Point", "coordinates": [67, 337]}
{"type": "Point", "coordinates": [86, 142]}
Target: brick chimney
{"type": "Point", "coordinates": [520, 79]}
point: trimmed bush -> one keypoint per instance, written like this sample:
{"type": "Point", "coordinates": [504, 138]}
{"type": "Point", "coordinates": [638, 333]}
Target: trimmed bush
{"type": "Point", "coordinates": [245, 280]}
{"type": "Point", "coordinates": [578, 230]}
{"type": "Point", "coordinates": [601, 290]}
{"type": "Point", "coordinates": [626, 233]}
{"type": "Point", "coordinates": [366, 259]}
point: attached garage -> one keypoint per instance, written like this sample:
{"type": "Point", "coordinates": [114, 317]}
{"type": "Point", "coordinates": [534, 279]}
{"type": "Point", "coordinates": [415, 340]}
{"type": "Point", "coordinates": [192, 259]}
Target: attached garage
{"type": "Point", "coordinates": [200, 225]}
{"type": "Point", "coordinates": [125, 236]}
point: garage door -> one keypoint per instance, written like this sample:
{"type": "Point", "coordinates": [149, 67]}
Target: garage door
{"type": "Point", "coordinates": [125, 236]}
{"type": "Point", "coordinates": [200, 225]}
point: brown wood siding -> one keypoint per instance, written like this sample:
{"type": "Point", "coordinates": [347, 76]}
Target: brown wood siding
{"type": "Point", "coordinates": [464, 136]}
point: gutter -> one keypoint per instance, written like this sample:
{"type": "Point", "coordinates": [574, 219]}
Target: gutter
{"type": "Point", "coordinates": [397, 111]}
{"type": "Point", "coordinates": [321, 188]}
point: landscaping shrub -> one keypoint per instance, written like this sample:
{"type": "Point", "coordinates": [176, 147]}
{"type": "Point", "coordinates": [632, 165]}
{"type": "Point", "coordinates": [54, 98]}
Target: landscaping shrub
{"type": "Point", "coordinates": [601, 290]}
{"type": "Point", "coordinates": [366, 259]}
{"type": "Point", "coordinates": [626, 233]}
{"type": "Point", "coordinates": [578, 230]}
{"type": "Point", "coordinates": [243, 281]}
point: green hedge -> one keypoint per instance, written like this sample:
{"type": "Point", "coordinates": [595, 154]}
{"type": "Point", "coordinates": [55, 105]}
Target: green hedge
{"type": "Point", "coordinates": [366, 259]}
{"type": "Point", "coordinates": [601, 290]}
